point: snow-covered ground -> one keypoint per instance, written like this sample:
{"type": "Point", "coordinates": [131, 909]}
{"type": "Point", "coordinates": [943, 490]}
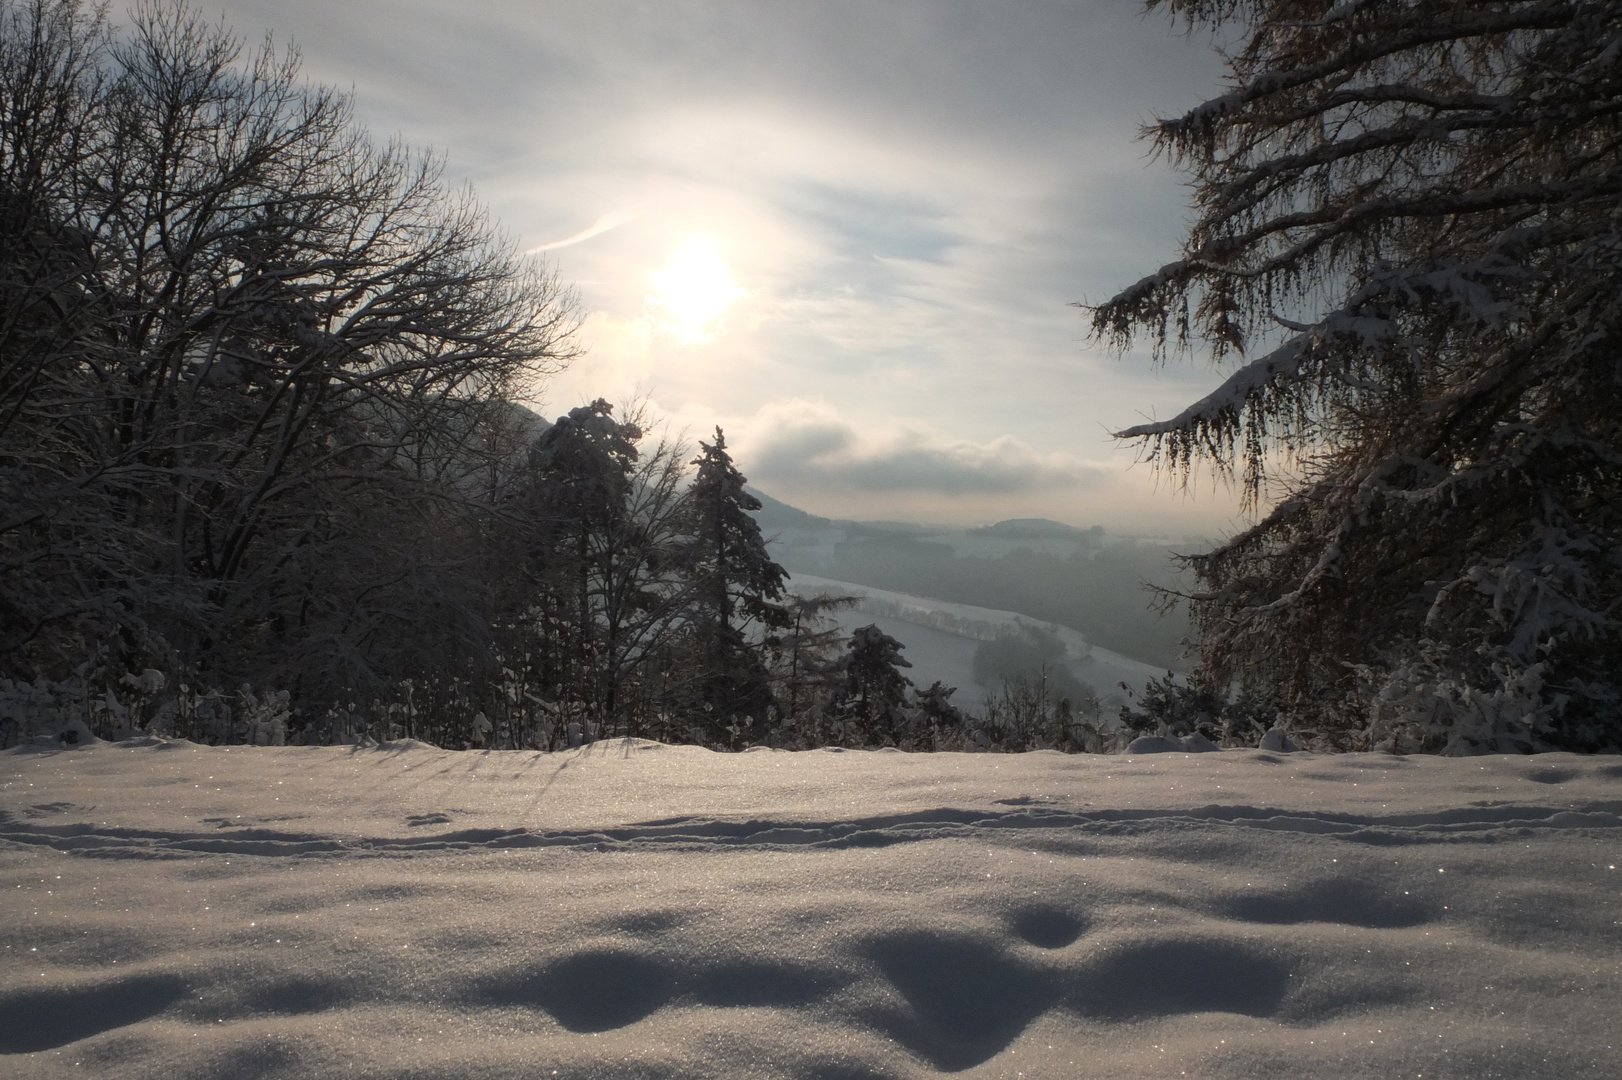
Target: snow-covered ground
{"type": "Point", "coordinates": [637, 910]}
{"type": "Point", "coordinates": [941, 639]}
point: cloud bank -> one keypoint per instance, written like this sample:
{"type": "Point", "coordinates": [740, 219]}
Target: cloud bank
{"type": "Point", "coordinates": [803, 446]}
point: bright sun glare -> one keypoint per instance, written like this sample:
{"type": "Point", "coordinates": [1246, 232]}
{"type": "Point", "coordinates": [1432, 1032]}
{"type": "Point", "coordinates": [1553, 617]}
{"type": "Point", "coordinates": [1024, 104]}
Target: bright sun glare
{"type": "Point", "coordinates": [694, 288]}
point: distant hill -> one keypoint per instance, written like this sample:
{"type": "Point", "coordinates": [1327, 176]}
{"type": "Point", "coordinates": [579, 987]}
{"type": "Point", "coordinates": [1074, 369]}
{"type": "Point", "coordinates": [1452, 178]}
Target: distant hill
{"type": "Point", "coordinates": [1043, 569]}
{"type": "Point", "coordinates": [1040, 529]}
{"type": "Point", "coordinates": [774, 514]}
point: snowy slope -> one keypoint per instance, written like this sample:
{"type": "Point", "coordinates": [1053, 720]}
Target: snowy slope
{"type": "Point", "coordinates": [941, 639]}
{"type": "Point", "coordinates": [636, 910]}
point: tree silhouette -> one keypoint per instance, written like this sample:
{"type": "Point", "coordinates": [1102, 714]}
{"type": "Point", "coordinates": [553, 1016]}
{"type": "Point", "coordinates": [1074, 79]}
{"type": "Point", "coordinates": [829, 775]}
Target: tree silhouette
{"type": "Point", "coordinates": [1408, 222]}
{"type": "Point", "coordinates": [875, 689]}
{"type": "Point", "coordinates": [807, 651]}
{"type": "Point", "coordinates": [735, 586]}
{"type": "Point", "coordinates": [250, 365]}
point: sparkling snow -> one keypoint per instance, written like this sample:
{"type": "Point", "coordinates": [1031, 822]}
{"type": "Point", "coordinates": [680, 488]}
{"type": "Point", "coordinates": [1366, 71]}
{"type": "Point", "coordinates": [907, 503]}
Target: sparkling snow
{"type": "Point", "coordinates": [637, 910]}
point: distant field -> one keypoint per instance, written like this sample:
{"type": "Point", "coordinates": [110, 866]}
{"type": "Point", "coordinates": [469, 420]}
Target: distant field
{"type": "Point", "coordinates": [1088, 581]}
{"type": "Point", "coordinates": [941, 639]}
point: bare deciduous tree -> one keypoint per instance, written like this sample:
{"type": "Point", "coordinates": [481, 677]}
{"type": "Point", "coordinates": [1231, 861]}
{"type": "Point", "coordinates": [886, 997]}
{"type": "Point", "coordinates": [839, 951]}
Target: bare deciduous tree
{"type": "Point", "coordinates": [246, 407]}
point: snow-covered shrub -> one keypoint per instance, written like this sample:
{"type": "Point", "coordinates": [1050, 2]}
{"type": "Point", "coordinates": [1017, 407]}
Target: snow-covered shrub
{"type": "Point", "coordinates": [92, 704]}
{"type": "Point", "coordinates": [1037, 712]}
{"type": "Point", "coordinates": [1425, 705]}
{"type": "Point", "coordinates": [264, 717]}
{"type": "Point", "coordinates": [1175, 708]}
{"type": "Point", "coordinates": [43, 712]}
{"type": "Point", "coordinates": [84, 706]}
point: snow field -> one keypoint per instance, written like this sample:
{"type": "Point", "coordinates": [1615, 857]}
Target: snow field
{"type": "Point", "coordinates": [637, 910]}
{"type": "Point", "coordinates": [938, 654]}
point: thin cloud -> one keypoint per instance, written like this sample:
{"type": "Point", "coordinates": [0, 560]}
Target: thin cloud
{"type": "Point", "coordinates": [912, 195]}
{"type": "Point", "coordinates": [611, 220]}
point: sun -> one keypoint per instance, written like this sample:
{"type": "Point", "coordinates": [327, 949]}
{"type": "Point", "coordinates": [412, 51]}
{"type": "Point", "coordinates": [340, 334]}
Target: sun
{"type": "Point", "coordinates": [694, 288]}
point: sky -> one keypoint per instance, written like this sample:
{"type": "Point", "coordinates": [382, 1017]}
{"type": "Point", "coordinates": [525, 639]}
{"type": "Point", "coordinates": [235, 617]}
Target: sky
{"type": "Point", "coordinates": [850, 234]}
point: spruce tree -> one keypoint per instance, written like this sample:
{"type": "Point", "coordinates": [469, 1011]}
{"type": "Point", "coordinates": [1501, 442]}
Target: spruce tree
{"type": "Point", "coordinates": [1410, 232]}
{"type": "Point", "coordinates": [735, 587]}
{"type": "Point", "coordinates": [875, 690]}
{"type": "Point", "coordinates": [806, 653]}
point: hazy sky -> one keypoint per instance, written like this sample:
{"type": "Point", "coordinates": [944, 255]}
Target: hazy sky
{"type": "Point", "coordinates": [848, 232]}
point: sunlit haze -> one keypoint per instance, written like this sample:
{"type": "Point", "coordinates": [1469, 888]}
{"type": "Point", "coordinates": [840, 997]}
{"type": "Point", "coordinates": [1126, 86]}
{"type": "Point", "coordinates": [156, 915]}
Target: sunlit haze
{"type": "Point", "coordinates": [851, 234]}
{"type": "Point", "coordinates": [693, 290]}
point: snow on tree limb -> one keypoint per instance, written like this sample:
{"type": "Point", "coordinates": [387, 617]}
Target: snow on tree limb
{"type": "Point", "coordinates": [1425, 196]}
{"type": "Point", "coordinates": [1222, 405]}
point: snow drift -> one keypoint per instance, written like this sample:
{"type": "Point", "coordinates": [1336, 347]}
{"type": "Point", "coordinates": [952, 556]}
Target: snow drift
{"type": "Point", "coordinates": [637, 910]}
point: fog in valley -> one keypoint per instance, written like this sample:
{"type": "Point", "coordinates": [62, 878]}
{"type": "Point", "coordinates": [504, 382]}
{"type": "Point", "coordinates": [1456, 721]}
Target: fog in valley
{"type": "Point", "coordinates": [1087, 579]}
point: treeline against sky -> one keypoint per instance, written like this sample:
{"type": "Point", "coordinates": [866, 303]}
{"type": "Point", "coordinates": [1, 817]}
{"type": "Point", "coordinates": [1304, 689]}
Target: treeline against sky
{"type": "Point", "coordinates": [263, 477]}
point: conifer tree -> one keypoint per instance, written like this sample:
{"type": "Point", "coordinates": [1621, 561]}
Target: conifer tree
{"type": "Point", "coordinates": [807, 651]}
{"type": "Point", "coordinates": [735, 587]}
{"type": "Point", "coordinates": [1410, 229]}
{"type": "Point", "coordinates": [875, 690]}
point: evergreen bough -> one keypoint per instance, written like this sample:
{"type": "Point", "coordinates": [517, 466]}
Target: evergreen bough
{"type": "Point", "coordinates": [1410, 233]}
